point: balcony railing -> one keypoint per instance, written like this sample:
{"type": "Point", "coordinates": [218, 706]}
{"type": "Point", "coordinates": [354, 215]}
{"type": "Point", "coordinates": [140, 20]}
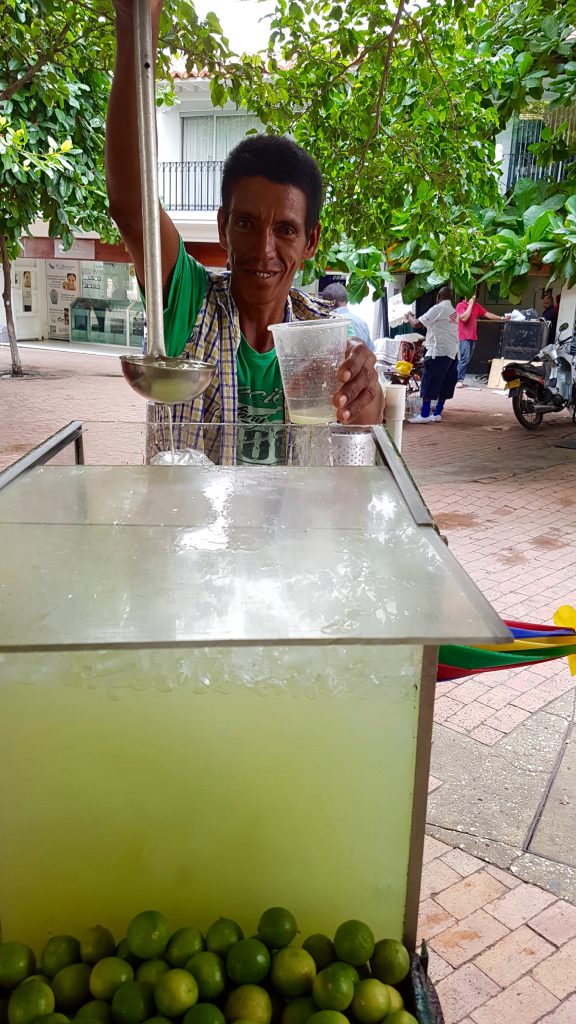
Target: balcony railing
{"type": "Point", "coordinates": [190, 184]}
{"type": "Point", "coordinates": [526, 130]}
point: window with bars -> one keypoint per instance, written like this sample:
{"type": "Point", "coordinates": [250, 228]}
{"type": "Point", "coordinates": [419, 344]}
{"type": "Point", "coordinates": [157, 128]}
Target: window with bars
{"type": "Point", "coordinates": [526, 129]}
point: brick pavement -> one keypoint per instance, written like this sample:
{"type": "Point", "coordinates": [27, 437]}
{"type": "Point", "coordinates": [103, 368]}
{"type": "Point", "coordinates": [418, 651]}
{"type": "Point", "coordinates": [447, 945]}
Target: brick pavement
{"type": "Point", "coordinates": [501, 949]}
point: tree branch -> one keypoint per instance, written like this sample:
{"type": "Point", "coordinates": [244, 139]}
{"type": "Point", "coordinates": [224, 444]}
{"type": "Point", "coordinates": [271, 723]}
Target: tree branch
{"type": "Point", "coordinates": [383, 83]}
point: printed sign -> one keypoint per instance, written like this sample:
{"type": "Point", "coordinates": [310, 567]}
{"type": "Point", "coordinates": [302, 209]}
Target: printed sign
{"type": "Point", "coordinates": [62, 287]}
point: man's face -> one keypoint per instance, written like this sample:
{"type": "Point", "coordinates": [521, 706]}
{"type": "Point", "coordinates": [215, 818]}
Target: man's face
{"type": "Point", "coordinates": [265, 238]}
{"type": "Point", "coordinates": [547, 301]}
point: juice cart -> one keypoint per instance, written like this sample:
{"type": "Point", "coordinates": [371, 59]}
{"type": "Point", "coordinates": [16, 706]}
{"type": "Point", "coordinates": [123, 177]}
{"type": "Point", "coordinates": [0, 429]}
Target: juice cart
{"type": "Point", "coordinates": [217, 685]}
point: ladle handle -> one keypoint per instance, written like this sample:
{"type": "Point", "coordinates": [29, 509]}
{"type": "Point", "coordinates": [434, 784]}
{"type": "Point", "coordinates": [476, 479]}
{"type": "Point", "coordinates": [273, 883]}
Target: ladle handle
{"type": "Point", "coordinates": [146, 107]}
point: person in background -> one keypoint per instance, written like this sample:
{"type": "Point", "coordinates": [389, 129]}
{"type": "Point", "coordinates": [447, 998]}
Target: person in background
{"type": "Point", "coordinates": [441, 361]}
{"type": "Point", "coordinates": [469, 312]}
{"type": "Point", "coordinates": [337, 294]}
{"type": "Point", "coordinates": [550, 313]}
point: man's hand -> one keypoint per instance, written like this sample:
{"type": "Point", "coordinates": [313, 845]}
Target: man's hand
{"type": "Point", "coordinates": [360, 399]}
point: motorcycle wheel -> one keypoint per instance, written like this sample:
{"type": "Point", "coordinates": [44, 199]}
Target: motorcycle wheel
{"type": "Point", "coordinates": [523, 402]}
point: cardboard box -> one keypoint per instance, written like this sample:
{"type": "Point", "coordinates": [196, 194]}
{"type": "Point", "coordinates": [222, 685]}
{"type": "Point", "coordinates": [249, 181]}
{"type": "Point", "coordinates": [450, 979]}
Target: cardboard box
{"type": "Point", "coordinates": [495, 377]}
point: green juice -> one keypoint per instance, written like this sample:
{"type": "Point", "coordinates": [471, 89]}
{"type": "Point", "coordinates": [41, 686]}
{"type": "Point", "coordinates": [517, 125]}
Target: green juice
{"type": "Point", "coordinates": [206, 782]}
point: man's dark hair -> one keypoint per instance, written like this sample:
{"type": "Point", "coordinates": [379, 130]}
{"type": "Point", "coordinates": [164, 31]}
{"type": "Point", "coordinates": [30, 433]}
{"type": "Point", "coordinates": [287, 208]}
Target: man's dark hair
{"type": "Point", "coordinates": [280, 160]}
{"type": "Point", "coordinates": [336, 292]}
{"type": "Point", "coordinates": [445, 293]}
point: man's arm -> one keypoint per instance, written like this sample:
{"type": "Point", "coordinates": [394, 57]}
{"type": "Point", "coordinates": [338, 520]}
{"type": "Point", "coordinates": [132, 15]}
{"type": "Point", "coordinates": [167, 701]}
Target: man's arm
{"type": "Point", "coordinates": [492, 316]}
{"type": "Point", "coordinates": [122, 149]}
{"type": "Point", "coordinates": [465, 316]}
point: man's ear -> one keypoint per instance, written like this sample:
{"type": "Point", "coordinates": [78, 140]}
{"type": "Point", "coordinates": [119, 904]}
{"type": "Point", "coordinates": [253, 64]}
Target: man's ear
{"type": "Point", "coordinates": [222, 229]}
{"type": "Point", "coordinates": [312, 243]}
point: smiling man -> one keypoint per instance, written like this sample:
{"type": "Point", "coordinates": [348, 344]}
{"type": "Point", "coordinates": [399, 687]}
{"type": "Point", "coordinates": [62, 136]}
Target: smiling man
{"type": "Point", "coordinates": [268, 224]}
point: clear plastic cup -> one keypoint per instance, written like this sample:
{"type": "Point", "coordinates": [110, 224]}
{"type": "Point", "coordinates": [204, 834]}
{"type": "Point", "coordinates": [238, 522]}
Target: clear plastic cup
{"type": "Point", "coordinates": [309, 354]}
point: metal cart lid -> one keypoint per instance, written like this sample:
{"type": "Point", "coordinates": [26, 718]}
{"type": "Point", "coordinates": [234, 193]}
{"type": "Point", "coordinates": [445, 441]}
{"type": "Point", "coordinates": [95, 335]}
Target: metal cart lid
{"type": "Point", "coordinates": [143, 556]}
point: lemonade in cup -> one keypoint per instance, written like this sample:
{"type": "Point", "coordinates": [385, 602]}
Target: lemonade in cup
{"type": "Point", "coordinates": [309, 355]}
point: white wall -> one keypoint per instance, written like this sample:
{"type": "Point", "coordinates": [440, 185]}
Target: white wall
{"type": "Point", "coordinates": [567, 313]}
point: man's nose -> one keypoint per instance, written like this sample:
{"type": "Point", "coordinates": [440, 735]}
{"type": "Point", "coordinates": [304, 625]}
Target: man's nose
{"type": "Point", "coordinates": [267, 240]}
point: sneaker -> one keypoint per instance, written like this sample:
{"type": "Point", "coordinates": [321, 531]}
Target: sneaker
{"type": "Point", "coordinates": [460, 384]}
{"type": "Point", "coordinates": [436, 418]}
{"type": "Point", "coordinates": [419, 419]}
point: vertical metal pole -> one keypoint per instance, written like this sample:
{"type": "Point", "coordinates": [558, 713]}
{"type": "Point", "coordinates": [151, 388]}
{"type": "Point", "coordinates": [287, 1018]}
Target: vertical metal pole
{"type": "Point", "coordinates": [146, 106]}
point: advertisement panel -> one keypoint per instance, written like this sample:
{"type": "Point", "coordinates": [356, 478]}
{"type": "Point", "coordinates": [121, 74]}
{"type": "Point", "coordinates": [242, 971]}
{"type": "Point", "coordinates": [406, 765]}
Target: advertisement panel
{"type": "Point", "coordinates": [62, 287]}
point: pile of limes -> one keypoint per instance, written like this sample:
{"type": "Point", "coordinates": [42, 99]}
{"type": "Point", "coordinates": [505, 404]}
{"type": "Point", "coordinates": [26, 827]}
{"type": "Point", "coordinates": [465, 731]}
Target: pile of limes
{"type": "Point", "coordinates": [155, 977]}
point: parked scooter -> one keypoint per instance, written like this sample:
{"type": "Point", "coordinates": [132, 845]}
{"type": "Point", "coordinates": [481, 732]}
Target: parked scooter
{"type": "Point", "coordinates": [544, 385]}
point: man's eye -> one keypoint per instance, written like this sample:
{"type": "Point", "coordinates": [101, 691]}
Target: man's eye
{"type": "Point", "coordinates": [287, 229]}
{"type": "Point", "coordinates": [243, 223]}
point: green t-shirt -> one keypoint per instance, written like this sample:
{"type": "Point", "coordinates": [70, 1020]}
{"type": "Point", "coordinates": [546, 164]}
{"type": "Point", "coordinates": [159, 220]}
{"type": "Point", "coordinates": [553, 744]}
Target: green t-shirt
{"type": "Point", "coordinates": [260, 393]}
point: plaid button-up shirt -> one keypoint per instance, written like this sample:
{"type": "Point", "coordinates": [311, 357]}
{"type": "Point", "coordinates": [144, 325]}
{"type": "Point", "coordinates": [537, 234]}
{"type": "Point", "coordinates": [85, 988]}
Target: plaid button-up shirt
{"type": "Point", "coordinates": [215, 339]}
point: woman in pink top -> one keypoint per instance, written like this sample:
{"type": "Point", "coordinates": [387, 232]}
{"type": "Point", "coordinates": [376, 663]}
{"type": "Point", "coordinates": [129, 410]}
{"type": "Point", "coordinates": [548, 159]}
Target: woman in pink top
{"type": "Point", "coordinates": [469, 311]}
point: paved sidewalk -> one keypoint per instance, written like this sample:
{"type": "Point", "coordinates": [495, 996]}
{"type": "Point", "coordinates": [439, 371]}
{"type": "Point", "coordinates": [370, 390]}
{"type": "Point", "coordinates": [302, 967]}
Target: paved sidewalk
{"type": "Point", "coordinates": [499, 888]}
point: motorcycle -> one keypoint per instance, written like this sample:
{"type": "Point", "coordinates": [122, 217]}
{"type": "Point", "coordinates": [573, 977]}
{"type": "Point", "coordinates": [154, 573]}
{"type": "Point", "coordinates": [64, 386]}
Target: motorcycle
{"type": "Point", "coordinates": [544, 385]}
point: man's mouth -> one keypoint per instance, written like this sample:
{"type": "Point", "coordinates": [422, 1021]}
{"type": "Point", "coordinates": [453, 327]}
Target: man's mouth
{"type": "Point", "coordinates": [263, 275]}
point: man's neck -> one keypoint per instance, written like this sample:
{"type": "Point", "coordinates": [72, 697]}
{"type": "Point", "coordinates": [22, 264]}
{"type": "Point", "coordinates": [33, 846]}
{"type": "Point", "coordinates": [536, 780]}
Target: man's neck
{"type": "Point", "coordinates": [254, 322]}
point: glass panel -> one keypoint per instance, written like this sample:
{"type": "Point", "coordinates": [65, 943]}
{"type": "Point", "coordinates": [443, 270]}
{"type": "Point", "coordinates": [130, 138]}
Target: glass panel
{"type": "Point", "coordinates": [198, 137]}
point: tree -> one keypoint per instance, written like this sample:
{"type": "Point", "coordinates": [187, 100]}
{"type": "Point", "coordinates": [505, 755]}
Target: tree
{"type": "Point", "coordinates": [54, 84]}
{"type": "Point", "coordinates": [401, 105]}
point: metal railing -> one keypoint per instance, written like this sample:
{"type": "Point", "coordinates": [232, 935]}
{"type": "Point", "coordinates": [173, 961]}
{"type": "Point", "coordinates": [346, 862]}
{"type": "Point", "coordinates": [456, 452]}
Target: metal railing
{"type": "Point", "coordinates": [526, 130]}
{"type": "Point", "coordinates": [190, 184]}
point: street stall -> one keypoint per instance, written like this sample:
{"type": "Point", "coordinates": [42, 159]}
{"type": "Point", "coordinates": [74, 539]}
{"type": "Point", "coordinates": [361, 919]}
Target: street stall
{"type": "Point", "coordinates": [218, 686]}
{"type": "Point", "coordinates": [217, 690]}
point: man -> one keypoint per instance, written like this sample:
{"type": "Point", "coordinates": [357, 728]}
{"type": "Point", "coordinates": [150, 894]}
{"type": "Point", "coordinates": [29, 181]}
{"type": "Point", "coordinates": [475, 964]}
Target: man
{"type": "Point", "coordinates": [337, 294]}
{"type": "Point", "coordinates": [469, 311]}
{"type": "Point", "coordinates": [268, 224]}
{"type": "Point", "coordinates": [441, 362]}
{"type": "Point", "coordinates": [550, 313]}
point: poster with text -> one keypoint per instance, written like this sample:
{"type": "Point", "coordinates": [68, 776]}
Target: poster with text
{"type": "Point", "coordinates": [62, 287]}
{"type": "Point", "coordinates": [93, 280]}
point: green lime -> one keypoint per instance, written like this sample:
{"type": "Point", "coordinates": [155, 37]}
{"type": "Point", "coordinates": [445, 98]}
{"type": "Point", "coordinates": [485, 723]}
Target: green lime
{"type": "Point", "coordinates": [133, 1003]}
{"type": "Point", "coordinates": [96, 1009]}
{"type": "Point", "coordinates": [333, 988]}
{"type": "Point", "coordinates": [31, 999]}
{"type": "Point", "coordinates": [328, 1017]}
{"type": "Point", "coordinates": [183, 945]}
{"type": "Point", "coordinates": [321, 949]}
{"type": "Point", "coordinates": [222, 935]}
{"type": "Point", "coordinates": [71, 987]}
{"type": "Point", "coordinates": [17, 962]}
{"type": "Point", "coordinates": [150, 970]}
{"type": "Point", "coordinates": [297, 1011]}
{"type": "Point", "coordinates": [123, 953]}
{"type": "Point", "coordinates": [396, 1001]}
{"type": "Point", "coordinates": [157, 1020]}
{"type": "Point", "coordinates": [97, 943]}
{"type": "Point", "coordinates": [277, 927]}
{"type": "Point", "coordinates": [208, 969]}
{"type": "Point", "coordinates": [293, 971]}
{"type": "Point", "coordinates": [354, 942]}
{"type": "Point", "coordinates": [59, 952]}
{"type": "Point", "coordinates": [107, 976]}
{"type": "Point", "coordinates": [401, 1017]}
{"type": "Point", "coordinates": [204, 1013]}
{"type": "Point", "coordinates": [371, 1001]}
{"type": "Point", "coordinates": [175, 992]}
{"type": "Point", "coordinates": [248, 962]}
{"type": "Point", "coordinates": [147, 934]}
{"type": "Point", "coordinates": [249, 1002]}
{"type": "Point", "coordinates": [390, 961]}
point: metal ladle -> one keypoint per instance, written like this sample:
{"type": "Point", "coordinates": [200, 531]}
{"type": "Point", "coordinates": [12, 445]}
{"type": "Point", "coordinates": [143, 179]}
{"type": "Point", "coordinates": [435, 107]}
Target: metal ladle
{"type": "Point", "coordinates": [155, 375]}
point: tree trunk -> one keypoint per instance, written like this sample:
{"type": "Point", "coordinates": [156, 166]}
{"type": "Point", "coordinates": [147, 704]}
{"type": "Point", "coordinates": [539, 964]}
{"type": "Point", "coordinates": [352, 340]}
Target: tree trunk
{"type": "Point", "coordinates": [7, 296]}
